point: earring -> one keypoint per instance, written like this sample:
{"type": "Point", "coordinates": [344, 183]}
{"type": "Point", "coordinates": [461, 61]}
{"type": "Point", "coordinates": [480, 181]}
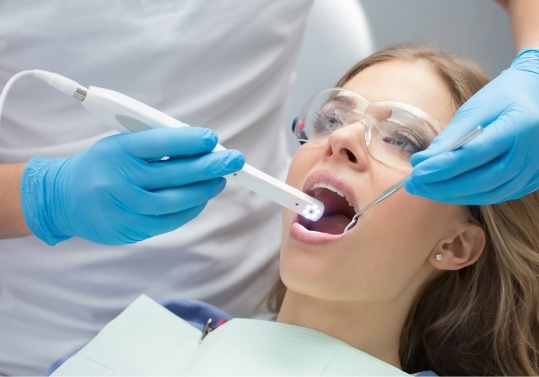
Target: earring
{"type": "Point", "coordinates": [438, 257]}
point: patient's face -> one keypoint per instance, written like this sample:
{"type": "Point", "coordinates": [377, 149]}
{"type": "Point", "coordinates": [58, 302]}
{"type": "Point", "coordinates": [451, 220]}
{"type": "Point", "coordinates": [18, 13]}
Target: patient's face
{"type": "Point", "coordinates": [388, 254]}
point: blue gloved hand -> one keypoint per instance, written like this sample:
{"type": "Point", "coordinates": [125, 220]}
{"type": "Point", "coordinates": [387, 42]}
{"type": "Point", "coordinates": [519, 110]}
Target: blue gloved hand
{"type": "Point", "coordinates": [500, 164]}
{"type": "Point", "coordinates": [119, 191]}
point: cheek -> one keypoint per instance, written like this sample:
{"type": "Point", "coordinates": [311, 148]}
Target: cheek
{"type": "Point", "coordinates": [299, 167]}
{"type": "Point", "coordinates": [411, 225]}
{"type": "Point", "coordinates": [393, 244]}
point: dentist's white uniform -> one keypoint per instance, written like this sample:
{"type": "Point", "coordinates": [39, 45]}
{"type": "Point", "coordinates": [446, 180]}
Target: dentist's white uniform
{"type": "Point", "coordinates": [227, 65]}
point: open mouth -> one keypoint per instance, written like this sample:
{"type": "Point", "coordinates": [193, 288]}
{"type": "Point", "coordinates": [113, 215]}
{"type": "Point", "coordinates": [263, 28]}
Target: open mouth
{"type": "Point", "coordinates": [338, 212]}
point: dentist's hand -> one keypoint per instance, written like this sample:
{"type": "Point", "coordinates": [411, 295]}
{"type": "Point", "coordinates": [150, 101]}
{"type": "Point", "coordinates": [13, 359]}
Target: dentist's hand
{"type": "Point", "coordinates": [500, 164]}
{"type": "Point", "coordinates": [119, 191]}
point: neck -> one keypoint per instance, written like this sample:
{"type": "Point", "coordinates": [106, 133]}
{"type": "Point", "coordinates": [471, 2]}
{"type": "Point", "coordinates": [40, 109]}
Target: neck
{"type": "Point", "coordinates": [371, 328]}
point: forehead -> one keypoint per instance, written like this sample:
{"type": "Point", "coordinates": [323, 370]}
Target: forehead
{"type": "Point", "coordinates": [413, 83]}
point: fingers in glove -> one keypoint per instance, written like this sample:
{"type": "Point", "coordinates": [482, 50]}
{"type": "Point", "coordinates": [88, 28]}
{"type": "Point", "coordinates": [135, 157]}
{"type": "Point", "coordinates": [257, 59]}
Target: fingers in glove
{"type": "Point", "coordinates": [186, 170]}
{"type": "Point", "coordinates": [173, 199]}
{"type": "Point", "coordinates": [476, 153]}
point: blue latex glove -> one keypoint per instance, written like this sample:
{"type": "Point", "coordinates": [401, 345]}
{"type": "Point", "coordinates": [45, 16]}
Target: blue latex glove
{"type": "Point", "coordinates": [500, 164]}
{"type": "Point", "coordinates": [119, 191]}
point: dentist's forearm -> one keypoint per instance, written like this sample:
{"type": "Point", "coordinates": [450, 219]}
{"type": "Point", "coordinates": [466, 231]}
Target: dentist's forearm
{"type": "Point", "coordinates": [524, 19]}
{"type": "Point", "coordinates": [12, 222]}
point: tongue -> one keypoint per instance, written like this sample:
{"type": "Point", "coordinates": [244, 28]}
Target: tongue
{"type": "Point", "coordinates": [333, 224]}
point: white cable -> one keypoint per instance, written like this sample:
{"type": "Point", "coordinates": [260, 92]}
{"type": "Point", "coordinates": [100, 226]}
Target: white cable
{"type": "Point", "coordinates": [57, 81]}
{"type": "Point", "coordinates": [8, 86]}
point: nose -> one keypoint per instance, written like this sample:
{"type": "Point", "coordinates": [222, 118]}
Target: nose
{"type": "Point", "coordinates": [348, 145]}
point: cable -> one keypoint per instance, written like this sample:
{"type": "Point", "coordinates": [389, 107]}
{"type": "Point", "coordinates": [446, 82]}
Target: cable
{"type": "Point", "coordinates": [8, 86]}
{"type": "Point", "coordinates": [59, 82]}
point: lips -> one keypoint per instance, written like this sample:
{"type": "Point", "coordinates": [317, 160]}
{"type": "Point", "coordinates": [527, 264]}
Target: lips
{"type": "Point", "coordinates": [339, 202]}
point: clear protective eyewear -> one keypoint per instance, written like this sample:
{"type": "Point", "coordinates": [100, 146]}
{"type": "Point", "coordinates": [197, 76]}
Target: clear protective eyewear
{"type": "Point", "coordinates": [394, 131]}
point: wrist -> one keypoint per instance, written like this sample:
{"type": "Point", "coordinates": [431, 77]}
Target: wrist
{"type": "Point", "coordinates": [35, 193]}
{"type": "Point", "coordinates": [527, 60]}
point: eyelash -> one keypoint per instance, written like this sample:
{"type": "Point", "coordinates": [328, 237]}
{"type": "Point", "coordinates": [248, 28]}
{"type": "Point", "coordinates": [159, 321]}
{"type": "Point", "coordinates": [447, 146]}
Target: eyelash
{"type": "Point", "coordinates": [321, 119]}
{"type": "Point", "coordinates": [409, 141]}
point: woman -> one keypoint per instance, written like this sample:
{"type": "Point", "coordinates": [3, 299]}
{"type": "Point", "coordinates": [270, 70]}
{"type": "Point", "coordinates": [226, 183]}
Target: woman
{"type": "Point", "coordinates": [417, 284]}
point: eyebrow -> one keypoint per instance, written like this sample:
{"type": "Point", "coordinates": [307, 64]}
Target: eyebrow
{"type": "Point", "coordinates": [344, 100]}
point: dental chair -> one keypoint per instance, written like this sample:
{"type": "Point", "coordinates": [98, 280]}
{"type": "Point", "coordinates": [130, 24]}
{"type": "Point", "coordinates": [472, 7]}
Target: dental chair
{"type": "Point", "coordinates": [336, 37]}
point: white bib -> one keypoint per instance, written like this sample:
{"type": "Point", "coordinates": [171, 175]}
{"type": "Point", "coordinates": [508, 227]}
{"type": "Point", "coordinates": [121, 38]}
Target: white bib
{"type": "Point", "coordinates": [147, 339]}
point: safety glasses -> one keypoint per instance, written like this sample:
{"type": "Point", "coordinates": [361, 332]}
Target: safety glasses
{"type": "Point", "coordinates": [393, 131]}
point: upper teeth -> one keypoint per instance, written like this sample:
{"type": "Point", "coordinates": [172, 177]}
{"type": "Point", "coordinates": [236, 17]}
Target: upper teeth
{"type": "Point", "coordinates": [326, 186]}
{"type": "Point", "coordinates": [329, 187]}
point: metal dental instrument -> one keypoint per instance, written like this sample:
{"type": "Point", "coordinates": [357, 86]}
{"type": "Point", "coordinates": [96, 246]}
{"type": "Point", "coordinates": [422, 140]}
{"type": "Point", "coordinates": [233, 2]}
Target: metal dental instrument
{"type": "Point", "coordinates": [397, 186]}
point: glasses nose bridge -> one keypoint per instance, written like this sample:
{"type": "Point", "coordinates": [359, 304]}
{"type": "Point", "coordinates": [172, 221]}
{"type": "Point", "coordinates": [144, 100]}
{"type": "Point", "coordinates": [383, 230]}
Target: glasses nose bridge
{"type": "Point", "coordinates": [359, 120]}
{"type": "Point", "coordinates": [347, 135]}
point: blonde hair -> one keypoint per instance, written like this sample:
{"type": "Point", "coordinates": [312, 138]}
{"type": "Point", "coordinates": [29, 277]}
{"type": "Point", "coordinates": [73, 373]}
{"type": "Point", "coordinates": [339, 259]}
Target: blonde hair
{"type": "Point", "coordinates": [482, 319]}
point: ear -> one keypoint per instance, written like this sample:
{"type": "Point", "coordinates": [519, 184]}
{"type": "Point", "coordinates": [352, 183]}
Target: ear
{"type": "Point", "coordinates": [461, 250]}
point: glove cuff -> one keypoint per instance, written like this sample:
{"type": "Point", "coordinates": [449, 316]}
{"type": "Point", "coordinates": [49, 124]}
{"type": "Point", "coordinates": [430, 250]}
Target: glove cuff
{"type": "Point", "coordinates": [34, 198]}
{"type": "Point", "coordinates": [527, 60]}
